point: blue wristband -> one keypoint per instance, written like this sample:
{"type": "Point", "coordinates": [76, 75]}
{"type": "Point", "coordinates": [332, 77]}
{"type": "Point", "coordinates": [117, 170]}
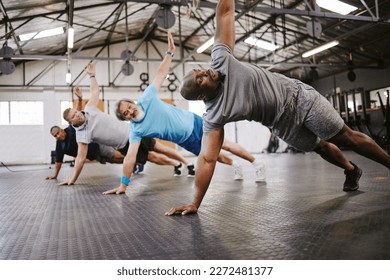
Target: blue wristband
{"type": "Point", "coordinates": [170, 53]}
{"type": "Point", "coordinates": [125, 180]}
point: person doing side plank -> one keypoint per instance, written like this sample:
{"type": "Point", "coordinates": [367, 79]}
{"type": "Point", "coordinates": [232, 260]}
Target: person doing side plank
{"type": "Point", "coordinates": [233, 90]}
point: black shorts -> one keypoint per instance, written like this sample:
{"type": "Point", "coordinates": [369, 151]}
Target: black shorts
{"type": "Point", "coordinates": [93, 151]}
{"type": "Point", "coordinates": [146, 145]}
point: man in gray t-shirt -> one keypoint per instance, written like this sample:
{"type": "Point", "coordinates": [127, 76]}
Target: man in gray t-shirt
{"type": "Point", "coordinates": [233, 91]}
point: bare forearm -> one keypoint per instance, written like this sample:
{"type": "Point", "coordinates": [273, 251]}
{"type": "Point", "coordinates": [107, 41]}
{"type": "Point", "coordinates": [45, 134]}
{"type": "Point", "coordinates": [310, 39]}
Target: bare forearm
{"type": "Point", "coordinates": [79, 104]}
{"type": "Point", "coordinates": [95, 91]}
{"type": "Point", "coordinates": [57, 169]}
{"type": "Point", "coordinates": [163, 69]}
{"type": "Point", "coordinates": [203, 177]}
{"type": "Point", "coordinates": [128, 166]}
{"type": "Point", "coordinates": [224, 32]}
{"type": "Point", "coordinates": [78, 167]}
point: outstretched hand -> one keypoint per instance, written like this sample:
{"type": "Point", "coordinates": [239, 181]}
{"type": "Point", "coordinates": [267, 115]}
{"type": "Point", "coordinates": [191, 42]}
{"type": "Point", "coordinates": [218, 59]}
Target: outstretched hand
{"type": "Point", "coordinates": [119, 190]}
{"type": "Point", "coordinates": [183, 210]}
{"type": "Point", "coordinates": [90, 69]}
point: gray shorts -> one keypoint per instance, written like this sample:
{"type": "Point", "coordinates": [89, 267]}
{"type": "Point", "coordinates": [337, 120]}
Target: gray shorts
{"type": "Point", "coordinates": [106, 151]}
{"type": "Point", "coordinates": [307, 119]}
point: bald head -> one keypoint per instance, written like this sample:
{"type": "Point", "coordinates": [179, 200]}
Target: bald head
{"type": "Point", "coordinates": [188, 87]}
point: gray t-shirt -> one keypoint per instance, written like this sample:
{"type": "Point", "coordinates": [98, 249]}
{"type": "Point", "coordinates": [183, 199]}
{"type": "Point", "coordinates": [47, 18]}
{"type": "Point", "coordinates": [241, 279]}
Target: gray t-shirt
{"type": "Point", "coordinates": [249, 92]}
{"type": "Point", "coordinates": [103, 129]}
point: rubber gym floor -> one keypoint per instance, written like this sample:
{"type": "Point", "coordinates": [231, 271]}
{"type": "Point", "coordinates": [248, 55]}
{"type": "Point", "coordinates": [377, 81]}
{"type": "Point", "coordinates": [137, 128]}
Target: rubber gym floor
{"type": "Point", "coordinates": [301, 213]}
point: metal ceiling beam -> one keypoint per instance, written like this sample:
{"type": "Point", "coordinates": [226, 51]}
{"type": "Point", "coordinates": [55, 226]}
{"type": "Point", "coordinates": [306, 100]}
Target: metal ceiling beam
{"type": "Point", "coordinates": [238, 16]}
{"type": "Point", "coordinates": [9, 24]}
{"type": "Point", "coordinates": [211, 17]}
{"type": "Point", "coordinates": [97, 30]}
{"type": "Point", "coordinates": [164, 2]}
{"type": "Point", "coordinates": [357, 30]}
{"type": "Point", "coordinates": [369, 10]}
{"type": "Point", "coordinates": [143, 60]}
{"type": "Point", "coordinates": [57, 12]}
{"type": "Point", "coordinates": [116, 20]}
{"type": "Point", "coordinates": [82, 72]}
{"type": "Point", "coordinates": [353, 32]}
{"type": "Point", "coordinates": [266, 10]}
{"type": "Point", "coordinates": [149, 28]}
{"type": "Point", "coordinates": [44, 71]}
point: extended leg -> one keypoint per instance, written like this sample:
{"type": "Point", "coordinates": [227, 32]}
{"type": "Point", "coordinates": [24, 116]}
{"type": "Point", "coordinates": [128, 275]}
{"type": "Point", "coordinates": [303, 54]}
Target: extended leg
{"type": "Point", "coordinates": [171, 153]}
{"type": "Point", "coordinates": [237, 150]}
{"type": "Point", "coordinates": [361, 144]}
{"type": "Point", "coordinates": [161, 159]}
{"type": "Point", "coordinates": [333, 154]}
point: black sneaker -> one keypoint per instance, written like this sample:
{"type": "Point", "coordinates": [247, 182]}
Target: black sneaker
{"type": "Point", "coordinates": [352, 179]}
{"type": "Point", "coordinates": [138, 168]}
{"type": "Point", "coordinates": [177, 171]}
{"type": "Point", "coordinates": [191, 170]}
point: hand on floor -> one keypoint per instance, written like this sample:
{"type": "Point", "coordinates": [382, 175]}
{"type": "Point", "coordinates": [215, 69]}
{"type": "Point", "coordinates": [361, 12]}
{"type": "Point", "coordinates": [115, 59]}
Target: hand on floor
{"type": "Point", "coordinates": [183, 210]}
{"type": "Point", "coordinates": [120, 190]}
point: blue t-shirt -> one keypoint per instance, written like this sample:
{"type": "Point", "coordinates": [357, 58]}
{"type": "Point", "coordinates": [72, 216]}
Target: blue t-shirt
{"type": "Point", "coordinates": [161, 120]}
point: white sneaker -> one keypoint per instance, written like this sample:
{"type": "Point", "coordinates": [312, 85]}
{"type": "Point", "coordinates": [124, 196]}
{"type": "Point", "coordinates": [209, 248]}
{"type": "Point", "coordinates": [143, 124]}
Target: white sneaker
{"type": "Point", "coordinates": [237, 169]}
{"type": "Point", "coordinates": [260, 175]}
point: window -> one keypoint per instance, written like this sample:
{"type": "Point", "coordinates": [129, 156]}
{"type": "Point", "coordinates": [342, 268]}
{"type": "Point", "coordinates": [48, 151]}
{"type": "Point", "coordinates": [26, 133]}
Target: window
{"type": "Point", "coordinates": [26, 112]}
{"type": "Point", "coordinates": [378, 95]}
{"type": "Point", "coordinates": [21, 113]}
{"type": "Point", "coordinates": [4, 113]}
{"type": "Point", "coordinates": [65, 105]}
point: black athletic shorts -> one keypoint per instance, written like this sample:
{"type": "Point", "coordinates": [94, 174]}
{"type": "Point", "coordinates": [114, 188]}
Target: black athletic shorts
{"type": "Point", "coordinates": [146, 145]}
{"type": "Point", "coordinates": [93, 151]}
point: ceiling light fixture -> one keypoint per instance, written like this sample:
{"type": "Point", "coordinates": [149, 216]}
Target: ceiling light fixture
{"type": "Point", "coordinates": [336, 6]}
{"type": "Point", "coordinates": [41, 34]}
{"type": "Point", "coordinates": [68, 78]}
{"type": "Point", "coordinates": [261, 43]}
{"type": "Point", "coordinates": [70, 37]}
{"type": "Point", "coordinates": [205, 45]}
{"type": "Point", "coordinates": [320, 49]}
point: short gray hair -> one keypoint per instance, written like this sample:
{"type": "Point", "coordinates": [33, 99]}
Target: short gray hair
{"type": "Point", "coordinates": [117, 106]}
{"type": "Point", "coordinates": [65, 114]}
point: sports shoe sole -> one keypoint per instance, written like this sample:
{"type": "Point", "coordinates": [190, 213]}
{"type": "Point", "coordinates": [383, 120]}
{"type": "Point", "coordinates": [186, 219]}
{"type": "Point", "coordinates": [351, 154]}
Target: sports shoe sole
{"type": "Point", "coordinates": [260, 180]}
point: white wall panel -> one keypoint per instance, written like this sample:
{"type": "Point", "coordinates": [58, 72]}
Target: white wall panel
{"type": "Point", "coordinates": [22, 144]}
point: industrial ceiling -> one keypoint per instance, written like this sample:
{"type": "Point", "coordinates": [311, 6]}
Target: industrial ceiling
{"type": "Point", "coordinates": [295, 26]}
